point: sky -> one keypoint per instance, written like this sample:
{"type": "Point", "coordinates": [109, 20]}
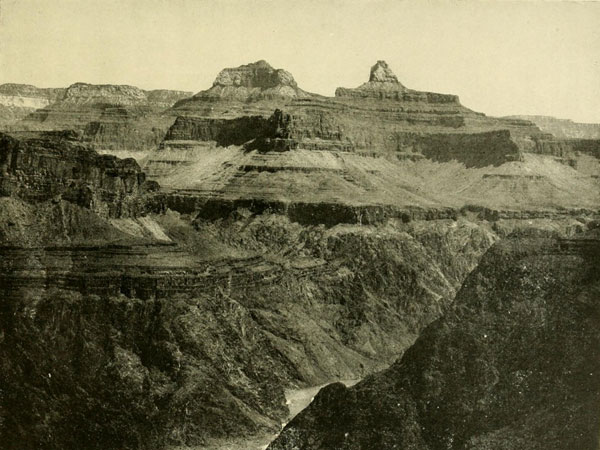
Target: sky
{"type": "Point", "coordinates": [500, 57]}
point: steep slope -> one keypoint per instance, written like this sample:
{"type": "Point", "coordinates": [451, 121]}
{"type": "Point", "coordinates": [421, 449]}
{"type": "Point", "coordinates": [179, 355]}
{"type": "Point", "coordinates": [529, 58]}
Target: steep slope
{"type": "Point", "coordinates": [380, 145]}
{"type": "Point", "coordinates": [180, 331]}
{"type": "Point", "coordinates": [19, 100]}
{"type": "Point", "coordinates": [247, 89]}
{"type": "Point", "coordinates": [286, 248]}
{"type": "Point", "coordinates": [108, 116]}
{"type": "Point", "coordinates": [513, 365]}
{"type": "Point", "coordinates": [38, 167]}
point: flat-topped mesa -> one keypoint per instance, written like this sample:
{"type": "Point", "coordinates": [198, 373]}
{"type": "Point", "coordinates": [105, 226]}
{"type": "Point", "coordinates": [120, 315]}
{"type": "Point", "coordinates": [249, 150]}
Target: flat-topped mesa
{"type": "Point", "coordinates": [84, 93]}
{"type": "Point", "coordinates": [249, 83]}
{"type": "Point", "coordinates": [18, 100]}
{"type": "Point", "coordinates": [110, 116]}
{"type": "Point", "coordinates": [383, 84]}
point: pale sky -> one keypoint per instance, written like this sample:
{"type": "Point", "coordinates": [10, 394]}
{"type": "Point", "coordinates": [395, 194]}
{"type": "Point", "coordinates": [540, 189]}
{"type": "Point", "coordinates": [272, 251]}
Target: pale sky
{"type": "Point", "coordinates": [500, 57]}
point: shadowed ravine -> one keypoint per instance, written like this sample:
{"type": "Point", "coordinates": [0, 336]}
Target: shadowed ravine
{"type": "Point", "coordinates": [173, 267]}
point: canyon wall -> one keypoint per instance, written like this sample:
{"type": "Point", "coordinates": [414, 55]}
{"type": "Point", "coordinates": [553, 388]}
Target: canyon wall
{"type": "Point", "coordinates": [513, 364]}
{"type": "Point", "coordinates": [108, 116]}
{"type": "Point", "coordinates": [19, 100]}
{"type": "Point", "coordinates": [40, 167]}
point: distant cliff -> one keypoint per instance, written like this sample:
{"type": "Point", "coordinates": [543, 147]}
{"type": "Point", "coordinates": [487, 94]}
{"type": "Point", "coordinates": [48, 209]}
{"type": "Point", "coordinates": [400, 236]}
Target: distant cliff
{"type": "Point", "coordinates": [565, 128]}
{"type": "Point", "coordinates": [109, 116]}
{"type": "Point", "coordinates": [19, 100]}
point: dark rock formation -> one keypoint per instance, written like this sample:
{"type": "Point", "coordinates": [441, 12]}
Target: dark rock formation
{"type": "Point", "coordinates": [513, 365]}
{"type": "Point", "coordinates": [50, 166]}
{"type": "Point", "coordinates": [491, 148]}
{"type": "Point", "coordinates": [369, 118]}
{"type": "Point", "coordinates": [178, 346]}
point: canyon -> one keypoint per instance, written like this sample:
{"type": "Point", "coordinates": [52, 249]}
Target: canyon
{"type": "Point", "coordinates": [173, 264]}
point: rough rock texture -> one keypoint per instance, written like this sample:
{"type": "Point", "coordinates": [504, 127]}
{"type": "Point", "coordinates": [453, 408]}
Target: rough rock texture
{"type": "Point", "coordinates": [248, 83]}
{"type": "Point", "coordinates": [385, 148]}
{"type": "Point", "coordinates": [45, 166]}
{"type": "Point", "coordinates": [383, 83]}
{"type": "Point", "coordinates": [224, 132]}
{"type": "Point", "coordinates": [162, 345]}
{"type": "Point", "coordinates": [297, 240]}
{"type": "Point", "coordinates": [513, 365]}
{"type": "Point", "coordinates": [491, 148]}
{"type": "Point", "coordinates": [19, 100]}
{"type": "Point", "coordinates": [366, 119]}
{"type": "Point", "coordinates": [109, 116]}
{"type": "Point", "coordinates": [381, 73]}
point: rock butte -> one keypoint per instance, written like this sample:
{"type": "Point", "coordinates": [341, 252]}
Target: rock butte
{"type": "Point", "coordinates": [268, 238]}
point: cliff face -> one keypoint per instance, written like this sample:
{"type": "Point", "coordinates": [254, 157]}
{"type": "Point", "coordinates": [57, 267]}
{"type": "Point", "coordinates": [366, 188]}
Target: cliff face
{"type": "Point", "coordinates": [514, 364]}
{"type": "Point", "coordinates": [108, 116]}
{"type": "Point", "coordinates": [367, 119]}
{"type": "Point", "coordinates": [19, 100]}
{"type": "Point", "coordinates": [296, 240]}
{"type": "Point", "coordinates": [41, 167]}
{"type": "Point", "coordinates": [173, 331]}
{"type": "Point", "coordinates": [251, 83]}
{"type": "Point", "coordinates": [564, 128]}
{"type": "Point", "coordinates": [379, 144]}
{"type": "Point", "coordinates": [181, 345]}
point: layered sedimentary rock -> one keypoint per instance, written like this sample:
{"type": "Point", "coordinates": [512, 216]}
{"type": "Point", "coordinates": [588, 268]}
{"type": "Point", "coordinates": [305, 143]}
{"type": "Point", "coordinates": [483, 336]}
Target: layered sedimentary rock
{"type": "Point", "coordinates": [19, 100]}
{"type": "Point", "coordinates": [108, 116]}
{"type": "Point", "coordinates": [247, 89]}
{"type": "Point", "coordinates": [564, 128]}
{"type": "Point", "coordinates": [177, 317]}
{"type": "Point", "coordinates": [295, 240]}
{"type": "Point", "coordinates": [374, 144]}
{"type": "Point", "coordinates": [513, 364]}
{"type": "Point", "coordinates": [37, 167]}
{"type": "Point", "coordinates": [377, 117]}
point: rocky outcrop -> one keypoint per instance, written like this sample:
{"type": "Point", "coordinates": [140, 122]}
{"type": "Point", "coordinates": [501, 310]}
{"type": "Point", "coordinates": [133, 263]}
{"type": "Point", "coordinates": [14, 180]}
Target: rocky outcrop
{"type": "Point", "coordinates": [322, 130]}
{"type": "Point", "coordinates": [202, 345]}
{"type": "Point", "coordinates": [92, 94]}
{"type": "Point", "coordinates": [19, 100]}
{"type": "Point", "coordinates": [249, 83]}
{"type": "Point", "coordinates": [109, 116]}
{"type": "Point", "coordinates": [223, 132]}
{"type": "Point", "coordinates": [165, 98]}
{"type": "Point", "coordinates": [514, 364]}
{"type": "Point", "coordinates": [38, 167]}
{"type": "Point", "coordinates": [380, 117]}
{"type": "Point", "coordinates": [383, 84]}
{"type": "Point", "coordinates": [492, 148]}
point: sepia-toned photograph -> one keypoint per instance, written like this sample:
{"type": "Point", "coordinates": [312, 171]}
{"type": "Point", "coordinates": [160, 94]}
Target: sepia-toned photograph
{"type": "Point", "coordinates": [299, 225]}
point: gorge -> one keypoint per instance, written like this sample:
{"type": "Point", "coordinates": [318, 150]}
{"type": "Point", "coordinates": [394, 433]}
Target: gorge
{"type": "Point", "coordinates": [173, 264]}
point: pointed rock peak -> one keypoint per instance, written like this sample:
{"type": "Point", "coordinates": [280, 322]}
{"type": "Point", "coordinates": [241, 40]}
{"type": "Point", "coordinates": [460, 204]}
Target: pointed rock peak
{"type": "Point", "coordinates": [381, 73]}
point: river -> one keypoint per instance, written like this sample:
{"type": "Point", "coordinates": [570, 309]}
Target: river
{"type": "Point", "coordinates": [296, 400]}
